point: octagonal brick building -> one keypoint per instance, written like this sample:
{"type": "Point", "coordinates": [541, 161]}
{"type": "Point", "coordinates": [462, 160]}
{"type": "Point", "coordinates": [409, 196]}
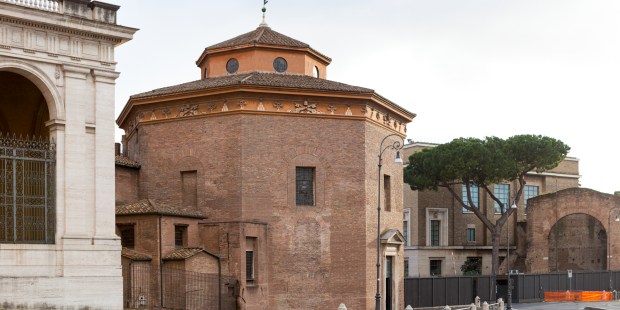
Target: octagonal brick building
{"type": "Point", "coordinates": [283, 164]}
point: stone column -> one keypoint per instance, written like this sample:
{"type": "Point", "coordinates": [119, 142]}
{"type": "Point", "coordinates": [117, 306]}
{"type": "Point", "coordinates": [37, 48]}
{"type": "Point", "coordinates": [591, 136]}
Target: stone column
{"type": "Point", "coordinates": [104, 157]}
{"type": "Point", "coordinates": [76, 223]}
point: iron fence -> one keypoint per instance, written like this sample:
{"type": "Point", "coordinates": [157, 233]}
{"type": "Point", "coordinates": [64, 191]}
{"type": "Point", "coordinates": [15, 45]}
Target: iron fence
{"type": "Point", "coordinates": [442, 291]}
{"type": "Point", "coordinates": [27, 188]}
{"type": "Point", "coordinates": [144, 288]}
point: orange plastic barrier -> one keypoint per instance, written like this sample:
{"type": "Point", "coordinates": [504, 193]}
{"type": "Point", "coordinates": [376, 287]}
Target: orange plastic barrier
{"type": "Point", "coordinates": [578, 296]}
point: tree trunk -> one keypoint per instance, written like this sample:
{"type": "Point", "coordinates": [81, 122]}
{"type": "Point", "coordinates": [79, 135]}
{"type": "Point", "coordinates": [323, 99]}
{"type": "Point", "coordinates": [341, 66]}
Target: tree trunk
{"type": "Point", "coordinates": [495, 237]}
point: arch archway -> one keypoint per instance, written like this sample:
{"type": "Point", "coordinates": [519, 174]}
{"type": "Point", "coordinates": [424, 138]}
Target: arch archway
{"type": "Point", "coordinates": [577, 242]}
{"type": "Point", "coordinates": [42, 81]}
{"type": "Point", "coordinates": [23, 108]}
{"type": "Point", "coordinates": [591, 207]}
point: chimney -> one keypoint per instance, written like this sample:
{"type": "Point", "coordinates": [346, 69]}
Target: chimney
{"type": "Point", "coordinates": [117, 149]}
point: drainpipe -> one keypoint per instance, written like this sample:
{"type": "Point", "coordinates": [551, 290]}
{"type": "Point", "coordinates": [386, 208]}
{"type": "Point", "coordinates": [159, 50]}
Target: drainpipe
{"type": "Point", "coordinates": [161, 268]}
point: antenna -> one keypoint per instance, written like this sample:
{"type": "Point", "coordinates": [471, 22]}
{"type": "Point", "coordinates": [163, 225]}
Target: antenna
{"type": "Point", "coordinates": [264, 23]}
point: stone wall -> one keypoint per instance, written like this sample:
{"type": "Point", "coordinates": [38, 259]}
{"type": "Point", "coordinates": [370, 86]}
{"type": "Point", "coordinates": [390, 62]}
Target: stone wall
{"type": "Point", "coordinates": [553, 214]}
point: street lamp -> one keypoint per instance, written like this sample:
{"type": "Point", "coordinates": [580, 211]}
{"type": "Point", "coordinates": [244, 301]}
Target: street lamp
{"type": "Point", "coordinates": [396, 145]}
{"type": "Point", "coordinates": [617, 219]}
{"type": "Point", "coordinates": [509, 293]}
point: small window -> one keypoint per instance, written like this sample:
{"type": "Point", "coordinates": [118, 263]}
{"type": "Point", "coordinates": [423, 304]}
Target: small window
{"type": "Point", "coordinates": [250, 260]}
{"type": "Point", "coordinates": [280, 64]}
{"type": "Point", "coordinates": [387, 189]}
{"type": "Point", "coordinates": [502, 192]}
{"type": "Point", "coordinates": [249, 265]}
{"type": "Point", "coordinates": [435, 267]}
{"type": "Point", "coordinates": [435, 232]}
{"type": "Point", "coordinates": [304, 186]}
{"type": "Point", "coordinates": [180, 236]}
{"type": "Point", "coordinates": [471, 235]}
{"type": "Point", "coordinates": [474, 191]}
{"type": "Point", "coordinates": [530, 191]}
{"type": "Point", "coordinates": [315, 72]}
{"type": "Point", "coordinates": [128, 237]}
{"type": "Point", "coordinates": [406, 231]}
{"type": "Point", "coordinates": [406, 269]}
{"type": "Point", "coordinates": [232, 65]}
{"type": "Point", "coordinates": [205, 74]}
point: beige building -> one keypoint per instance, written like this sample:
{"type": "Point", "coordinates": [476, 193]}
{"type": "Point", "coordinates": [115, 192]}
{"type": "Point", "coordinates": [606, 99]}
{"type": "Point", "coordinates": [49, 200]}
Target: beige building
{"type": "Point", "coordinates": [58, 246]}
{"type": "Point", "coordinates": [441, 235]}
{"type": "Point", "coordinates": [282, 162]}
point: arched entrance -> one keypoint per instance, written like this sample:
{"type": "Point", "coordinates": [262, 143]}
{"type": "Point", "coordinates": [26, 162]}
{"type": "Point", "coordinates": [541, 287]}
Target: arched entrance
{"type": "Point", "coordinates": [27, 163]}
{"type": "Point", "coordinates": [23, 109]}
{"type": "Point", "coordinates": [577, 242]}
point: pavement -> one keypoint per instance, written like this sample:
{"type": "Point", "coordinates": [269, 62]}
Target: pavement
{"type": "Point", "coordinates": [603, 305]}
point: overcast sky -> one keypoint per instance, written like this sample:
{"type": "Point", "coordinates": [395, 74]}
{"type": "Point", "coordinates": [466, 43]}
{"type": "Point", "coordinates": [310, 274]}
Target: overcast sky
{"type": "Point", "coordinates": [466, 68]}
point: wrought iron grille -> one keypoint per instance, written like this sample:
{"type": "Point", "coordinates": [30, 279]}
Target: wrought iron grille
{"type": "Point", "coordinates": [27, 187]}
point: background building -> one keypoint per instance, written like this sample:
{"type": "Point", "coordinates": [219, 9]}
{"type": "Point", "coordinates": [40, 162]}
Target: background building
{"type": "Point", "coordinates": [58, 247]}
{"type": "Point", "coordinates": [283, 164]}
{"type": "Point", "coordinates": [441, 235]}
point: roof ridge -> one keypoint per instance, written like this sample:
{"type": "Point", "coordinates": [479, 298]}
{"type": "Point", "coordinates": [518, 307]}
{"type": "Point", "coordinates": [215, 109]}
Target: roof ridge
{"type": "Point", "coordinates": [259, 34]}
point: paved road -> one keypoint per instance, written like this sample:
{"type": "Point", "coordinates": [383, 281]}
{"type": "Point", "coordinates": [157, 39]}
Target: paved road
{"type": "Point", "coordinates": [606, 305]}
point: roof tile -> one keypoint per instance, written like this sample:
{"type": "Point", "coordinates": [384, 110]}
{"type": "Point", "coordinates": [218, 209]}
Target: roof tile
{"type": "Point", "coordinates": [183, 253]}
{"type": "Point", "coordinates": [257, 79]}
{"type": "Point", "coordinates": [261, 35]}
{"type": "Point", "coordinates": [150, 206]}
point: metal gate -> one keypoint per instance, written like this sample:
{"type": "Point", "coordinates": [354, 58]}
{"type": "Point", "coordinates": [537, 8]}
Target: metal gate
{"type": "Point", "coordinates": [27, 187]}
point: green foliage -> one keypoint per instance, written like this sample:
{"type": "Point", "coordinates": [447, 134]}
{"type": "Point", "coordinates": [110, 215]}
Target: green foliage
{"type": "Point", "coordinates": [472, 266]}
{"type": "Point", "coordinates": [483, 162]}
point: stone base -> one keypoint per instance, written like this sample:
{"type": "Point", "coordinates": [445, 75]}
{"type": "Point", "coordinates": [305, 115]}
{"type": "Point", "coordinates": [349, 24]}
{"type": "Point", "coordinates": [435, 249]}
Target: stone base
{"type": "Point", "coordinates": [62, 293]}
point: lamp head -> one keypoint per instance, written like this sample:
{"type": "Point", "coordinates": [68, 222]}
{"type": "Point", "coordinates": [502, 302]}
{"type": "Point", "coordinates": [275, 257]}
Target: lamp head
{"type": "Point", "coordinates": [514, 206]}
{"type": "Point", "coordinates": [398, 159]}
{"type": "Point", "coordinates": [617, 217]}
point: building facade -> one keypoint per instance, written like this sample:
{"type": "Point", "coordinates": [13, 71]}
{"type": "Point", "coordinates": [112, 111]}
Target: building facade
{"type": "Point", "coordinates": [282, 162]}
{"type": "Point", "coordinates": [58, 246]}
{"type": "Point", "coordinates": [442, 236]}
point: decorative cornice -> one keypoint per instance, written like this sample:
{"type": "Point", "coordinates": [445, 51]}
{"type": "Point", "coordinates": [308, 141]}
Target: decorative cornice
{"type": "Point", "coordinates": [306, 107]}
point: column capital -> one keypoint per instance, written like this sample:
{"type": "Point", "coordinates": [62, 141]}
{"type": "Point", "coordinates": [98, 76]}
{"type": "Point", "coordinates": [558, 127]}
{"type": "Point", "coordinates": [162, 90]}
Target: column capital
{"type": "Point", "coordinates": [108, 77]}
{"type": "Point", "coordinates": [75, 72]}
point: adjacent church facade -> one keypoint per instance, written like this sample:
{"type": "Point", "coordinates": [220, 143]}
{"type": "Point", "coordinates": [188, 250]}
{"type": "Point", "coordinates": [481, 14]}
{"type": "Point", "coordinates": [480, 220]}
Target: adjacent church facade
{"type": "Point", "coordinates": [274, 169]}
{"type": "Point", "coordinates": [58, 246]}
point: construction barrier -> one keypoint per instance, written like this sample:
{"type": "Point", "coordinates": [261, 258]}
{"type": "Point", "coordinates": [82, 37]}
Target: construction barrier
{"type": "Point", "coordinates": [578, 296]}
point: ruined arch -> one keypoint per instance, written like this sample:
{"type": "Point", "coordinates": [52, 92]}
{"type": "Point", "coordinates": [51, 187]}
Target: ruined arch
{"type": "Point", "coordinates": [577, 242]}
{"type": "Point", "coordinates": [545, 211]}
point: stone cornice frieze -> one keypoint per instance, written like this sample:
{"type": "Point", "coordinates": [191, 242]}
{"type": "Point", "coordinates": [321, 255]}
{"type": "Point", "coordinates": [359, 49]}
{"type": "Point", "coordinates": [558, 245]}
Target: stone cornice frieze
{"type": "Point", "coordinates": [185, 109]}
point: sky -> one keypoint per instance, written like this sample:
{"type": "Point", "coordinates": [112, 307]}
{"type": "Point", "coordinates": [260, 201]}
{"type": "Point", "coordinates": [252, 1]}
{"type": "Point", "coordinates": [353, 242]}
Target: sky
{"type": "Point", "coordinates": [467, 68]}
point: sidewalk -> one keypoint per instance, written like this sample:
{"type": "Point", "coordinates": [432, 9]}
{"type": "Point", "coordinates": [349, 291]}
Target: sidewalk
{"type": "Point", "coordinates": [603, 305]}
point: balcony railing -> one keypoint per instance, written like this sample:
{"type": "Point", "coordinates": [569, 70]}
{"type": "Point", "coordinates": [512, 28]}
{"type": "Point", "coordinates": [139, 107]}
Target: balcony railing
{"type": "Point", "coordinates": [45, 5]}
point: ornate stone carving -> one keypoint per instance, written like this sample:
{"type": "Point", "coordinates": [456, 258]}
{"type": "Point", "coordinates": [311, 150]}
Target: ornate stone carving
{"type": "Point", "coordinates": [386, 119]}
{"type": "Point", "coordinates": [165, 113]}
{"type": "Point", "coordinates": [188, 110]}
{"type": "Point", "coordinates": [348, 112]}
{"type": "Point", "coordinates": [242, 104]}
{"type": "Point", "coordinates": [260, 106]}
{"type": "Point", "coordinates": [153, 116]}
{"type": "Point", "coordinates": [305, 108]}
{"type": "Point", "coordinates": [365, 109]}
{"type": "Point", "coordinates": [224, 107]}
{"type": "Point", "coordinates": [212, 107]}
{"type": "Point", "coordinates": [331, 109]}
{"type": "Point", "coordinates": [277, 105]}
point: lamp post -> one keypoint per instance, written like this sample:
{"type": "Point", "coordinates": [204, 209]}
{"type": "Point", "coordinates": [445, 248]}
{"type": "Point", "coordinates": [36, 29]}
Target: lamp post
{"type": "Point", "coordinates": [396, 145]}
{"type": "Point", "coordinates": [617, 219]}
{"type": "Point", "coordinates": [509, 293]}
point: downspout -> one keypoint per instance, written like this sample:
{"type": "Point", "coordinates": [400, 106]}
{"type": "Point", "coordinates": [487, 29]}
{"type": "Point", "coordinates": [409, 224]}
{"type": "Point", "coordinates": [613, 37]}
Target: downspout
{"type": "Point", "coordinates": [161, 268]}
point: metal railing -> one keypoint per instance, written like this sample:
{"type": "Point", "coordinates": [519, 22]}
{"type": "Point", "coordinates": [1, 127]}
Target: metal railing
{"type": "Point", "coordinates": [45, 5]}
{"type": "Point", "coordinates": [178, 289]}
{"type": "Point", "coordinates": [27, 188]}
